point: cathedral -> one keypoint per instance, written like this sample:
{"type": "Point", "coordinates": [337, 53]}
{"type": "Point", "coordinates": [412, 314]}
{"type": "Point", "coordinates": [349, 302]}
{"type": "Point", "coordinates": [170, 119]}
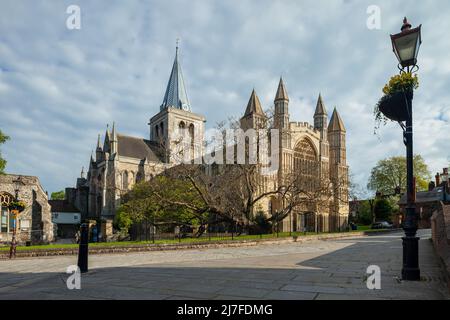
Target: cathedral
{"type": "Point", "coordinates": [120, 161]}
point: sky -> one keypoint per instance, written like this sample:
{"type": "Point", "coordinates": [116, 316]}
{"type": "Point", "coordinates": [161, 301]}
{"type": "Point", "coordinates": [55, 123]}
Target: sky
{"type": "Point", "coordinates": [60, 87]}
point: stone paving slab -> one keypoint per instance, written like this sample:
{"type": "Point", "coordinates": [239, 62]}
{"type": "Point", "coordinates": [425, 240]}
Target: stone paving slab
{"type": "Point", "coordinates": [332, 269]}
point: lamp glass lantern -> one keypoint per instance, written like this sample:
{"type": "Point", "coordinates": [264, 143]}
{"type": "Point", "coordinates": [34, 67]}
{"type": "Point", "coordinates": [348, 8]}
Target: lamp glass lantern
{"type": "Point", "coordinates": [406, 44]}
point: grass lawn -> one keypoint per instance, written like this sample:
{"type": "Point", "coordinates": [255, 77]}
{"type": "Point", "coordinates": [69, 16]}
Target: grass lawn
{"type": "Point", "coordinates": [204, 238]}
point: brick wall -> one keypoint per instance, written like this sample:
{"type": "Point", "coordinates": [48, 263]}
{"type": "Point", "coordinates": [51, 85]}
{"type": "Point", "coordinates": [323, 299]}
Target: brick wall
{"type": "Point", "coordinates": [440, 225]}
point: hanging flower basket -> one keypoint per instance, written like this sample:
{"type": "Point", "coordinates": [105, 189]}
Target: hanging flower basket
{"type": "Point", "coordinates": [17, 205]}
{"type": "Point", "coordinates": [395, 106]}
{"type": "Point", "coordinates": [394, 103]}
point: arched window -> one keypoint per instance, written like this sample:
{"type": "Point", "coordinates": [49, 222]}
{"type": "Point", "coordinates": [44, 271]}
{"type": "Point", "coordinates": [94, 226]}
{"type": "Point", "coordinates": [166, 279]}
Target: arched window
{"type": "Point", "coordinates": [305, 151]}
{"type": "Point", "coordinates": [162, 129]}
{"type": "Point", "coordinates": [191, 131]}
{"type": "Point", "coordinates": [5, 199]}
{"type": "Point", "coordinates": [306, 164]}
{"type": "Point", "coordinates": [157, 131]}
{"type": "Point", "coordinates": [192, 137]}
{"type": "Point", "coordinates": [6, 223]}
{"type": "Point", "coordinates": [132, 179]}
{"type": "Point", "coordinates": [125, 180]}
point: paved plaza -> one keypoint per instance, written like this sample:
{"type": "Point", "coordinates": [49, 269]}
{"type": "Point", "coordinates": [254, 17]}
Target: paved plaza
{"type": "Point", "coordinates": [334, 269]}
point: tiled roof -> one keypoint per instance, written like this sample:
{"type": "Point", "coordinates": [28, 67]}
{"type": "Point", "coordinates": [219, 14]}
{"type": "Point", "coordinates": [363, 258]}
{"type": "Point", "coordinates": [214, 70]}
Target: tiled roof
{"type": "Point", "coordinates": [176, 96]}
{"type": "Point", "coordinates": [336, 123]}
{"type": "Point", "coordinates": [281, 92]}
{"type": "Point", "coordinates": [138, 148]}
{"type": "Point", "coordinates": [320, 107]}
{"type": "Point", "coordinates": [254, 105]}
{"type": "Point", "coordinates": [426, 196]}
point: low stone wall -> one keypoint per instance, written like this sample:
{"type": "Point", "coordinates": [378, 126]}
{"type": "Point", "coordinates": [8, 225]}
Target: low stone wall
{"type": "Point", "coordinates": [182, 246]}
{"type": "Point", "coordinates": [440, 226]}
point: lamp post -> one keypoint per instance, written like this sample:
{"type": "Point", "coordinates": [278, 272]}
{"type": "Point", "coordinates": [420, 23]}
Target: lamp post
{"type": "Point", "coordinates": [406, 47]}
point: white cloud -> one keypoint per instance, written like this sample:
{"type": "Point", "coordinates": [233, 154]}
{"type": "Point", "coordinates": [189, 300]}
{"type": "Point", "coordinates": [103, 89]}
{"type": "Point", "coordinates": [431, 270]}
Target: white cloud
{"type": "Point", "coordinates": [59, 87]}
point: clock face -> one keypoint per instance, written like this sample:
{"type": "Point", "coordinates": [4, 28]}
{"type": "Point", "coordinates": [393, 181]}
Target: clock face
{"type": "Point", "coordinates": [185, 107]}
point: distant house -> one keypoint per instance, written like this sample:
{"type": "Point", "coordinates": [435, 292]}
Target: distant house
{"type": "Point", "coordinates": [355, 208]}
{"type": "Point", "coordinates": [66, 216]}
{"type": "Point", "coordinates": [428, 201]}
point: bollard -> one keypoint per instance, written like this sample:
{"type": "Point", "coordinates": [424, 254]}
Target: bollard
{"type": "Point", "coordinates": [83, 248]}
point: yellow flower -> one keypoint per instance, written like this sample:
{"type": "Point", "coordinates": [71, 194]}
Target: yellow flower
{"type": "Point", "coordinates": [400, 82]}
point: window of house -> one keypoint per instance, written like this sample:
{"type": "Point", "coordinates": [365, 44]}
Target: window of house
{"type": "Point", "coordinates": [4, 219]}
{"type": "Point", "coordinates": [6, 224]}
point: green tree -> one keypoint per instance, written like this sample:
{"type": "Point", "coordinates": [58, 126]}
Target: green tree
{"type": "Point", "coordinates": [364, 213]}
{"type": "Point", "coordinates": [3, 139]}
{"type": "Point", "coordinates": [382, 209]}
{"type": "Point", "coordinates": [58, 195]}
{"type": "Point", "coordinates": [391, 172]}
{"type": "Point", "coordinates": [261, 222]}
{"type": "Point", "coordinates": [162, 202]}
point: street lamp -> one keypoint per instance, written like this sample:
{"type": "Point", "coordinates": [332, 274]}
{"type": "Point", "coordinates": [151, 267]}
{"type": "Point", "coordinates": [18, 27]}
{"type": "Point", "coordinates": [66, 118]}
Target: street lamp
{"type": "Point", "coordinates": [406, 47]}
{"type": "Point", "coordinates": [18, 183]}
{"type": "Point", "coordinates": [406, 44]}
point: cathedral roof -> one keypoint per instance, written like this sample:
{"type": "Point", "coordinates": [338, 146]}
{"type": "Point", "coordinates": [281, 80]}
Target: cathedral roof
{"type": "Point", "coordinates": [320, 107]}
{"type": "Point", "coordinates": [254, 105]}
{"type": "Point", "coordinates": [281, 92]}
{"type": "Point", "coordinates": [137, 148]}
{"type": "Point", "coordinates": [176, 96]}
{"type": "Point", "coordinates": [336, 123]}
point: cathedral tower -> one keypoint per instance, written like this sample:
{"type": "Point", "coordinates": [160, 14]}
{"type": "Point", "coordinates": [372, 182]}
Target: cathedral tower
{"type": "Point", "coordinates": [176, 117]}
{"type": "Point", "coordinates": [320, 124]}
{"type": "Point", "coordinates": [254, 117]}
{"type": "Point", "coordinates": [321, 118]}
{"type": "Point", "coordinates": [338, 172]}
{"type": "Point", "coordinates": [281, 117]}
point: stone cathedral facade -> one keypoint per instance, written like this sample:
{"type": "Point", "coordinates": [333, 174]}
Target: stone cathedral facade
{"type": "Point", "coordinates": [120, 161]}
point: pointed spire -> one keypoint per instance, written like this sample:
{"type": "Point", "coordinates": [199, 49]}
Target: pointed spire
{"type": "Point", "coordinates": [107, 133]}
{"type": "Point", "coordinates": [336, 123]}
{"type": "Point", "coordinates": [176, 96]}
{"type": "Point", "coordinates": [99, 146]}
{"type": "Point", "coordinates": [281, 91]}
{"type": "Point", "coordinates": [82, 172]}
{"type": "Point", "coordinates": [254, 105]}
{"type": "Point", "coordinates": [114, 133]}
{"type": "Point", "coordinates": [92, 156]}
{"type": "Point", "coordinates": [320, 107]}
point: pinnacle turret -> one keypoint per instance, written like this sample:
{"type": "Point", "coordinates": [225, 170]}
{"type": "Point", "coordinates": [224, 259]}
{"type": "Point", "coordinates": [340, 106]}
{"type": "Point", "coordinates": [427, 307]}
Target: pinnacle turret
{"type": "Point", "coordinates": [253, 105]}
{"type": "Point", "coordinates": [281, 92]}
{"type": "Point", "coordinates": [320, 107]}
{"type": "Point", "coordinates": [336, 123]}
